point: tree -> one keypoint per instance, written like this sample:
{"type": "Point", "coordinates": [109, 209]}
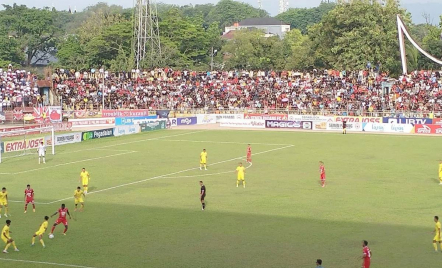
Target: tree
{"type": "Point", "coordinates": [302, 18]}
{"type": "Point", "coordinates": [353, 34]}
{"type": "Point", "coordinates": [34, 30]}
{"type": "Point", "coordinates": [226, 12]}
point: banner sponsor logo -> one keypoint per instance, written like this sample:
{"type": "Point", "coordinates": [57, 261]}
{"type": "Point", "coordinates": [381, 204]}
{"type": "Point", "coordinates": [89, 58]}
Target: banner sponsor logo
{"type": "Point", "coordinates": [312, 118]}
{"type": "Point", "coordinates": [413, 121]}
{"type": "Point", "coordinates": [126, 113]}
{"type": "Point", "coordinates": [154, 125]}
{"type": "Point", "coordinates": [206, 119]}
{"type": "Point", "coordinates": [246, 123]}
{"type": "Point", "coordinates": [97, 134]}
{"type": "Point", "coordinates": [428, 129]}
{"type": "Point", "coordinates": [48, 114]}
{"type": "Point", "coordinates": [358, 119]}
{"type": "Point", "coordinates": [78, 114]}
{"type": "Point", "coordinates": [124, 121]}
{"type": "Point", "coordinates": [283, 124]}
{"type": "Point", "coordinates": [280, 117]}
{"type": "Point", "coordinates": [21, 145]}
{"type": "Point", "coordinates": [220, 117]}
{"type": "Point", "coordinates": [437, 121]}
{"type": "Point", "coordinates": [126, 130]}
{"type": "Point", "coordinates": [355, 126]}
{"type": "Point", "coordinates": [64, 139]}
{"type": "Point", "coordinates": [92, 122]}
{"type": "Point", "coordinates": [187, 121]}
{"type": "Point", "coordinates": [163, 113]}
{"type": "Point", "coordinates": [173, 122]}
{"type": "Point", "coordinates": [307, 125]}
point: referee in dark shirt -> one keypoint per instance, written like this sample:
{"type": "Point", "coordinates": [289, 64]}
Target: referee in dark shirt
{"type": "Point", "coordinates": [203, 194]}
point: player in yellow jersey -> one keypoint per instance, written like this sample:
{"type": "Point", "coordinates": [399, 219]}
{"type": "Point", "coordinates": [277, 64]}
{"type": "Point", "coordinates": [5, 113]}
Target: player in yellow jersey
{"type": "Point", "coordinates": [40, 232]}
{"type": "Point", "coordinates": [78, 195]}
{"type": "Point", "coordinates": [437, 237]}
{"type": "Point", "coordinates": [84, 179]}
{"type": "Point", "coordinates": [6, 237]}
{"type": "Point", "coordinates": [203, 160]}
{"type": "Point", "coordinates": [440, 172]}
{"type": "Point", "coordinates": [240, 172]}
{"type": "Point", "coordinates": [4, 202]}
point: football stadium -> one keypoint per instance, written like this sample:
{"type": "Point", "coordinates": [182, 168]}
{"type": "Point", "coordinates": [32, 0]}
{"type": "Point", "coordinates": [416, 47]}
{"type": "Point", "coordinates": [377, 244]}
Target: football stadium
{"type": "Point", "coordinates": [221, 134]}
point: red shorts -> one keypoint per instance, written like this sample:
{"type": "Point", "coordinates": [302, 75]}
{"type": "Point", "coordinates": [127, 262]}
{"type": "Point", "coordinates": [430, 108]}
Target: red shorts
{"type": "Point", "coordinates": [60, 220]}
{"type": "Point", "coordinates": [30, 201]}
{"type": "Point", "coordinates": [366, 264]}
{"type": "Point", "coordinates": [322, 177]}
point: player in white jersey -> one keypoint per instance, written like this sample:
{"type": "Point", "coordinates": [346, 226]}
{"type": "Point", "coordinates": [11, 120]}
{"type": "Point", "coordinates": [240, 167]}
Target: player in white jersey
{"type": "Point", "coordinates": [41, 153]}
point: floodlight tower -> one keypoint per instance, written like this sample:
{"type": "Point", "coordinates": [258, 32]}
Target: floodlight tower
{"type": "Point", "coordinates": [146, 45]}
{"type": "Point", "coordinates": [260, 4]}
{"type": "Point", "coordinates": [283, 6]}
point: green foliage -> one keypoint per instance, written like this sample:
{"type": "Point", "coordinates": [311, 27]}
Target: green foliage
{"type": "Point", "coordinates": [302, 18]}
{"type": "Point", "coordinates": [226, 12]}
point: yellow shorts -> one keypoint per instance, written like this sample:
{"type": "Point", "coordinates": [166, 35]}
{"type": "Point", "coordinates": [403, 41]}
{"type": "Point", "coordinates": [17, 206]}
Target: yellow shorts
{"type": "Point", "coordinates": [79, 201]}
{"type": "Point", "coordinates": [85, 183]}
{"type": "Point", "coordinates": [39, 233]}
{"type": "Point", "coordinates": [240, 177]}
{"type": "Point", "coordinates": [5, 240]}
{"type": "Point", "coordinates": [203, 162]}
{"type": "Point", "coordinates": [437, 239]}
{"type": "Point", "coordinates": [3, 203]}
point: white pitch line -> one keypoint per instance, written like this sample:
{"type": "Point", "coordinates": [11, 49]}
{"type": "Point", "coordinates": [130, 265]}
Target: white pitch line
{"type": "Point", "coordinates": [69, 163]}
{"type": "Point", "coordinates": [166, 175]}
{"type": "Point", "coordinates": [205, 175]}
{"type": "Point", "coordinates": [47, 263]}
{"type": "Point", "coordinates": [230, 142]}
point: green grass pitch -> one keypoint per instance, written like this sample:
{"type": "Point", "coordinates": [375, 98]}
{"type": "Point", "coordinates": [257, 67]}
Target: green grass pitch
{"type": "Point", "coordinates": [144, 209]}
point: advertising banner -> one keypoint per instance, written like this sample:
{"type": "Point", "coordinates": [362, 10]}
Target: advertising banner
{"type": "Point", "coordinates": [355, 126]}
{"type": "Point", "coordinates": [5, 132]}
{"type": "Point", "coordinates": [187, 121]}
{"type": "Point", "coordinates": [281, 117]}
{"type": "Point", "coordinates": [126, 113]}
{"type": "Point", "coordinates": [388, 128]}
{"type": "Point", "coordinates": [163, 113]}
{"type": "Point", "coordinates": [97, 134]}
{"type": "Point", "coordinates": [203, 119]}
{"type": "Point", "coordinates": [65, 126]}
{"type": "Point", "coordinates": [437, 121]}
{"type": "Point", "coordinates": [312, 118]}
{"type": "Point", "coordinates": [64, 139]}
{"type": "Point", "coordinates": [220, 117]}
{"type": "Point", "coordinates": [173, 122]}
{"type": "Point", "coordinates": [126, 121]}
{"type": "Point", "coordinates": [78, 114]}
{"type": "Point", "coordinates": [245, 123]}
{"type": "Point", "coordinates": [47, 114]}
{"type": "Point", "coordinates": [21, 145]}
{"type": "Point", "coordinates": [427, 129]}
{"type": "Point", "coordinates": [358, 119]}
{"type": "Point", "coordinates": [126, 130]}
{"type": "Point", "coordinates": [92, 122]}
{"type": "Point", "coordinates": [151, 126]}
{"type": "Point", "coordinates": [289, 124]}
{"type": "Point", "coordinates": [394, 120]}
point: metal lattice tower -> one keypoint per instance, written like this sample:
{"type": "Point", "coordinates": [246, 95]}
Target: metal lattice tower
{"type": "Point", "coordinates": [260, 4]}
{"type": "Point", "coordinates": [147, 45]}
{"type": "Point", "coordinates": [283, 6]}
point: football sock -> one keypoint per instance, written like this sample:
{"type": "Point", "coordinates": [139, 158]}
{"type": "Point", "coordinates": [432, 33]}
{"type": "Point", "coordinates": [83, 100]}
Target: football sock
{"type": "Point", "coordinates": [33, 239]}
{"type": "Point", "coordinates": [204, 205]}
{"type": "Point", "coordinates": [244, 183]}
{"type": "Point", "coordinates": [237, 183]}
{"type": "Point", "coordinates": [52, 230]}
{"type": "Point", "coordinates": [33, 206]}
{"type": "Point", "coordinates": [85, 189]}
{"type": "Point", "coordinates": [7, 246]}
{"type": "Point", "coordinates": [42, 242]}
{"type": "Point", "coordinates": [205, 166]}
{"type": "Point", "coordinates": [13, 244]}
{"type": "Point", "coordinates": [65, 230]}
{"type": "Point", "coordinates": [26, 207]}
{"type": "Point", "coordinates": [6, 210]}
{"type": "Point", "coordinates": [82, 206]}
{"type": "Point", "coordinates": [435, 246]}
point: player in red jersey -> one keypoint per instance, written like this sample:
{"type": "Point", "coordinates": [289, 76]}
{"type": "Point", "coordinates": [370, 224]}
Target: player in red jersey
{"type": "Point", "coordinates": [61, 218]}
{"type": "Point", "coordinates": [366, 255]}
{"type": "Point", "coordinates": [322, 173]}
{"type": "Point", "coordinates": [29, 198]}
{"type": "Point", "coordinates": [249, 154]}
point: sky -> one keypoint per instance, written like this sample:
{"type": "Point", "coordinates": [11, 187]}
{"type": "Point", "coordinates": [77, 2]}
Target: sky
{"type": "Point", "coordinates": [416, 7]}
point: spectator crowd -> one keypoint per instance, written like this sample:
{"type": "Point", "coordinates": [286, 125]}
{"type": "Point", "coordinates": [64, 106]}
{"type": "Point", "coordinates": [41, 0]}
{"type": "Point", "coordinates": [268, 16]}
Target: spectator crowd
{"type": "Point", "coordinates": [364, 91]}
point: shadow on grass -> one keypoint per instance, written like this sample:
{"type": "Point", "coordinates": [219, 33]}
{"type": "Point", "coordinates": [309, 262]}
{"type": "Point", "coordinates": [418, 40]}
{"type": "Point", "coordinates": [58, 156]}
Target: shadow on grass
{"type": "Point", "coordinates": [108, 235]}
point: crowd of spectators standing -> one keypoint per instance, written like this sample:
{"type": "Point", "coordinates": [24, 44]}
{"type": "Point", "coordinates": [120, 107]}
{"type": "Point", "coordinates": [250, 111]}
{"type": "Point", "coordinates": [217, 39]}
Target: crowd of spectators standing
{"type": "Point", "coordinates": [364, 91]}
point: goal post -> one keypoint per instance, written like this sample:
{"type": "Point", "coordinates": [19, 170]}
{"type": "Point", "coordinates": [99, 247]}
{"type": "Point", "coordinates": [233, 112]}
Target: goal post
{"type": "Point", "coordinates": [19, 143]}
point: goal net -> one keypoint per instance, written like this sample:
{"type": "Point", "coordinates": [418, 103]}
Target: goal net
{"type": "Point", "coordinates": [20, 143]}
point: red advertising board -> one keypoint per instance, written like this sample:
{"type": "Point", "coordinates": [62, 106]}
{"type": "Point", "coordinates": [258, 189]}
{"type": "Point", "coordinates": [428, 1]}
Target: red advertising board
{"type": "Point", "coordinates": [125, 113]}
{"type": "Point", "coordinates": [47, 114]}
{"type": "Point", "coordinates": [427, 129]}
{"type": "Point", "coordinates": [21, 145]}
{"type": "Point", "coordinates": [437, 121]}
{"type": "Point", "coordinates": [280, 117]}
{"type": "Point", "coordinates": [87, 114]}
{"type": "Point", "coordinates": [5, 131]}
{"type": "Point", "coordinates": [91, 121]}
{"type": "Point", "coordinates": [358, 119]}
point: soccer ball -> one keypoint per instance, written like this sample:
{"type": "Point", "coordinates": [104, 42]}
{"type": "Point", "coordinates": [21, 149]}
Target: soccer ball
{"type": "Point", "coordinates": [51, 236]}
